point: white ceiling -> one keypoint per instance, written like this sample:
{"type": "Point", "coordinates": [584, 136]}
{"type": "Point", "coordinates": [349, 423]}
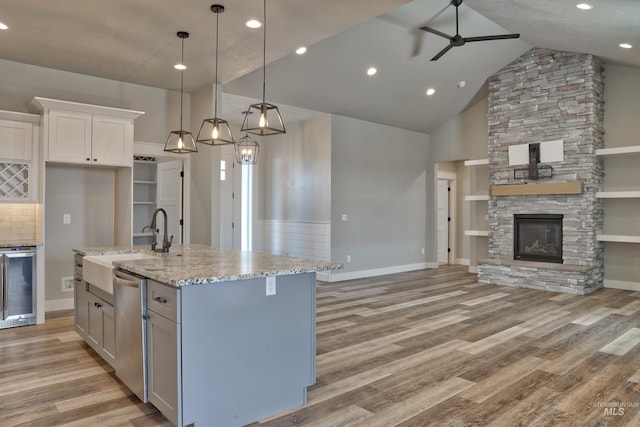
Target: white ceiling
{"type": "Point", "coordinates": [135, 41]}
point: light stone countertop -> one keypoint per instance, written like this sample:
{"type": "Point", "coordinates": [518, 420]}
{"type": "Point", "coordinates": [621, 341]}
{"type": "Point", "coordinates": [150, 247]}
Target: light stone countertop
{"type": "Point", "coordinates": [19, 243]}
{"type": "Point", "coordinates": [193, 264]}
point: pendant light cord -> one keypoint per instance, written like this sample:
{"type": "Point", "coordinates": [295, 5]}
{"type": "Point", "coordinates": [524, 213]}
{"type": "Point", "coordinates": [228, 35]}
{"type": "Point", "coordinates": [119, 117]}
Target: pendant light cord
{"type": "Point", "coordinates": [215, 106]}
{"type": "Point", "coordinates": [181, 84]}
{"type": "Point", "coordinates": [264, 49]}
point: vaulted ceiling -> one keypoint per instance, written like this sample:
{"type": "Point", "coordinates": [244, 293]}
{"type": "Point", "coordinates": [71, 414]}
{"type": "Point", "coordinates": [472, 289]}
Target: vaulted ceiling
{"type": "Point", "coordinates": [135, 41]}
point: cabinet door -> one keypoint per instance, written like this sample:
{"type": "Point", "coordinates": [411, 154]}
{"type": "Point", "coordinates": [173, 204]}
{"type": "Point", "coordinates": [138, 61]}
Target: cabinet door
{"type": "Point", "coordinates": [81, 305]}
{"type": "Point", "coordinates": [112, 141]}
{"type": "Point", "coordinates": [101, 328]}
{"type": "Point", "coordinates": [108, 334]}
{"type": "Point", "coordinates": [69, 137]}
{"type": "Point", "coordinates": [163, 358]}
{"type": "Point", "coordinates": [16, 140]}
{"type": "Point", "coordinates": [94, 328]}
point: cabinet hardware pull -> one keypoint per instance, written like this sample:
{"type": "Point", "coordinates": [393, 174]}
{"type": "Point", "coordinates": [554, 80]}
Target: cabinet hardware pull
{"type": "Point", "coordinates": [146, 317]}
{"type": "Point", "coordinates": [95, 160]}
{"type": "Point", "coordinates": [88, 159]}
{"type": "Point", "coordinates": [97, 304]}
{"type": "Point", "coordinates": [160, 300]}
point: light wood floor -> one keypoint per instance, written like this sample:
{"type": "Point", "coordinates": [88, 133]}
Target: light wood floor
{"type": "Point", "coordinates": [422, 348]}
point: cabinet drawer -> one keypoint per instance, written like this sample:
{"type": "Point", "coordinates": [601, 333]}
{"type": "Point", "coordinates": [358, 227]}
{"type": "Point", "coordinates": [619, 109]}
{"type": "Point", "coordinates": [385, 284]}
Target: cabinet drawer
{"type": "Point", "coordinates": [163, 300]}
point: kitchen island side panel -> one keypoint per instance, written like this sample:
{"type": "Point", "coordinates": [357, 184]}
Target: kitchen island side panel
{"type": "Point", "coordinates": [245, 355]}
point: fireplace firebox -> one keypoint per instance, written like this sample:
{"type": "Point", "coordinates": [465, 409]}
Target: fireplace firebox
{"type": "Point", "coordinates": [537, 237]}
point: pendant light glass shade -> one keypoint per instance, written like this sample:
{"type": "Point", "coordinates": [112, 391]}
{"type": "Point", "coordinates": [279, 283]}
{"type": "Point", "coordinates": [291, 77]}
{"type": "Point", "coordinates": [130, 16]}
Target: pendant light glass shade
{"type": "Point", "coordinates": [263, 118]}
{"type": "Point", "coordinates": [215, 131]}
{"type": "Point", "coordinates": [247, 151]}
{"type": "Point", "coordinates": [181, 141]}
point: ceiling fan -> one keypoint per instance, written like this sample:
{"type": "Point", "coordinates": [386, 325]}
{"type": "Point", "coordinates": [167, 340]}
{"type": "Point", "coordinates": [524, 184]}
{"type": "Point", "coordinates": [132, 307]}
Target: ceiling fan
{"type": "Point", "coordinates": [458, 40]}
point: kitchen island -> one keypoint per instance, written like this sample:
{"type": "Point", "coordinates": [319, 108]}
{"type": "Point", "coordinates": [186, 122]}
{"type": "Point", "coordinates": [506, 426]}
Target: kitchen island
{"type": "Point", "coordinates": [230, 335]}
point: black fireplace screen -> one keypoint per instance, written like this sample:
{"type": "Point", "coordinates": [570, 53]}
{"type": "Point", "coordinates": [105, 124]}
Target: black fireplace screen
{"type": "Point", "coordinates": [538, 238]}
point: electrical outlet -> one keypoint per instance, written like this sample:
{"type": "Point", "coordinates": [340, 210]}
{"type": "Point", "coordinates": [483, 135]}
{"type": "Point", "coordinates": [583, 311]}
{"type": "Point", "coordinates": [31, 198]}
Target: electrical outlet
{"type": "Point", "coordinates": [271, 285]}
{"type": "Point", "coordinates": [348, 258]}
{"type": "Point", "coordinates": [66, 218]}
{"type": "Point", "coordinates": [67, 284]}
{"type": "Point", "coordinates": [345, 217]}
{"type": "Point", "coordinates": [422, 251]}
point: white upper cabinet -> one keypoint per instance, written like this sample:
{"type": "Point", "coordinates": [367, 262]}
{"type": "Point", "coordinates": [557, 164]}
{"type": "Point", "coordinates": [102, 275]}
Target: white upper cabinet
{"type": "Point", "coordinates": [69, 137]}
{"type": "Point", "coordinates": [18, 157]}
{"type": "Point", "coordinates": [86, 134]}
{"type": "Point", "coordinates": [16, 140]}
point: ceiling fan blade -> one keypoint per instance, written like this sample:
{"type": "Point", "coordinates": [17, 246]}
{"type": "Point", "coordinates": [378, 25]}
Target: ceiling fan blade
{"type": "Point", "coordinates": [436, 32]}
{"type": "Point", "coordinates": [496, 37]}
{"type": "Point", "coordinates": [442, 52]}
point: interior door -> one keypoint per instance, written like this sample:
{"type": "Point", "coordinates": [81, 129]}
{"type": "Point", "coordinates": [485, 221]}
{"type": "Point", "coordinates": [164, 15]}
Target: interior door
{"type": "Point", "coordinates": [227, 196]}
{"type": "Point", "coordinates": [443, 220]}
{"type": "Point", "coordinates": [169, 197]}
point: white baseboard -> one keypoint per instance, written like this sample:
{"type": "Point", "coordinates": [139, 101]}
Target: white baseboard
{"type": "Point", "coordinates": [619, 284]}
{"type": "Point", "coordinates": [58, 304]}
{"type": "Point", "coordinates": [463, 261]}
{"type": "Point", "coordinates": [339, 277]}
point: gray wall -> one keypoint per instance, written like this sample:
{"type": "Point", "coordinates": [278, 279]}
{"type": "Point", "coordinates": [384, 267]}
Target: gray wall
{"type": "Point", "coordinates": [378, 178]}
{"type": "Point", "coordinates": [296, 180]}
{"type": "Point", "coordinates": [87, 194]}
{"type": "Point", "coordinates": [19, 83]}
{"type": "Point", "coordinates": [463, 137]}
{"type": "Point", "coordinates": [203, 184]}
{"type": "Point", "coordinates": [621, 112]}
{"type": "Point", "coordinates": [466, 137]}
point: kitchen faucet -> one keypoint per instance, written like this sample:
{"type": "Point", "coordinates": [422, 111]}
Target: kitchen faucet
{"type": "Point", "coordinates": [166, 242]}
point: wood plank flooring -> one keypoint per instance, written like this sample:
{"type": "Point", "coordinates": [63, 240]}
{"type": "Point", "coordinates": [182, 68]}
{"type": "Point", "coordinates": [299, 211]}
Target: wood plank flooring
{"type": "Point", "coordinates": [423, 348]}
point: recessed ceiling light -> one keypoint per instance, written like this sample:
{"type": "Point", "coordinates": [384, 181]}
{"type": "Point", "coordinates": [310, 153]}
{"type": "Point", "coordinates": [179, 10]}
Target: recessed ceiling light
{"type": "Point", "coordinates": [431, 91]}
{"type": "Point", "coordinates": [625, 45]}
{"type": "Point", "coordinates": [254, 23]}
{"type": "Point", "coordinates": [462, 83]}
{"type": "Point", "coordinates": [584, 6]}
{"type": "Point", "coordinates": [3, 26]}
{"type": "Point", "coordinates": [372, 71]}
{"type": "Point", "coordinates": [301, 50]}
{"type": "Point", "coordinates": [180, 67]}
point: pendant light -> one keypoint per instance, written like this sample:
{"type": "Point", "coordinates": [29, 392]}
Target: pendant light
{"type": "Point", "coordinates": [247, 150]}
{"type": "Point", "coordinates": [263, 118]}
{"type": "Point", "coordinates": [215, 131]}
{"type": "Point", "coordinates": [181, 141]}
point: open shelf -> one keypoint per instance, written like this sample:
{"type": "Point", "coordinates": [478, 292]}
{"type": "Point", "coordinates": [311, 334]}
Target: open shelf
{"type": "Point", "coordinates": [618, 194]}
{"type": "Point", "coordinates": [618, 151]}
{"type": "Point", "coordinates": [477, 162]}
{"type": "Point", "coordinates": [477, 197]}
{"type": "Point", "coordinates": [618, 238]}
{"type": "Point", "coordinates": [477, 233]}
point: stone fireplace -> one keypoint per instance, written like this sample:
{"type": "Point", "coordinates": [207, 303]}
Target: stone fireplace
{"type": "Point", "coordinates": [546, 96]}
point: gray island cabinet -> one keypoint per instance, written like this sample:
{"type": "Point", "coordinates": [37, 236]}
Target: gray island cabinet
{"type": "Point", "coordinates": [229, 335]}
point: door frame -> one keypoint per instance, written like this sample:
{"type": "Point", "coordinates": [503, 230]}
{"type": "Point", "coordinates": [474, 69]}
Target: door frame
{"type": "Point", "coordinates": [157, 150]}
{"type": "Point", "coordinates": [451, 177]}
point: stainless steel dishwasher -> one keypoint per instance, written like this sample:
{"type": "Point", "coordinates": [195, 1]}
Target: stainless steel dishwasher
{"type": "Point", "coordinates": [129, 292]}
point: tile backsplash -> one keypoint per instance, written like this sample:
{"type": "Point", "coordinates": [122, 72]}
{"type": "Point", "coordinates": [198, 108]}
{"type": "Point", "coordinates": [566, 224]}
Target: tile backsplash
{"type": "Point", "coordinates": [18, 221]}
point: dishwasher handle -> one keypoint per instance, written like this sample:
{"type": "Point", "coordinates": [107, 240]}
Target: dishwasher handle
{"type": "Point", "coordinates": [118, 280]}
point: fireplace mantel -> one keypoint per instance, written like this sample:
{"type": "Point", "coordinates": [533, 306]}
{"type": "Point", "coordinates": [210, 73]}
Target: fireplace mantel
{"type": "Point", "coordinates": [568, 187]}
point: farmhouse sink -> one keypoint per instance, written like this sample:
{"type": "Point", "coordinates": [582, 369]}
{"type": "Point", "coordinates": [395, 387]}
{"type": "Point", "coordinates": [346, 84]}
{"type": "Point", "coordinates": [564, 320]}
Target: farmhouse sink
{"type": "Point", "coordinates": [98, 269]}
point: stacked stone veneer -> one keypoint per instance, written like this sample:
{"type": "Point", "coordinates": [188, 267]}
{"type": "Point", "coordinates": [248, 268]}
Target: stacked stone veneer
{"type": "Point", "coordinates": [543, 96]}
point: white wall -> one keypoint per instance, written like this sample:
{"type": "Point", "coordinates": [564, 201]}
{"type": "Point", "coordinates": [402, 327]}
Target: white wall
{"type": "Point", "coordinates": [378, 179]}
